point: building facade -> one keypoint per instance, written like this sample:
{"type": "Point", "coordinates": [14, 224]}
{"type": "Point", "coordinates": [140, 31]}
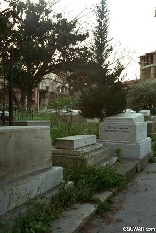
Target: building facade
{"type": "Point", "coordinates": [148, 66]}
{"type": "Point", "coordinates": [50, 88]}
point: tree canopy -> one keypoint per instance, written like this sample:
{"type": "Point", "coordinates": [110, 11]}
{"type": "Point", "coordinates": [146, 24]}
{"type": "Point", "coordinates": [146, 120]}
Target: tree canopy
{"type": "Point", "coordinates": [105, 95]}
{"type": "Point", "coordinates": [143, 96]}
{"type": "Point", "coordinates": [44, 43]}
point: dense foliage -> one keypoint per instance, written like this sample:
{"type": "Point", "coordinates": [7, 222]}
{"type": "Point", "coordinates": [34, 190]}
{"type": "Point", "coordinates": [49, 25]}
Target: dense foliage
{"type": "Point", "coordinates": [44, 42]}
{"type": "Point", "coordinates": [105, 96]}
{"type": "Point", "coordinates": [143, 96]}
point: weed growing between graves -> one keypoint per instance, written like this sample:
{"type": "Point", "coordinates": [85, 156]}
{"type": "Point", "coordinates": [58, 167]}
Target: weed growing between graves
{"type": "Point", "coordinates": [152, 158]}
{"type": "Point", "coordinates": [118, 154]}
{"type": "Point", "coordinates": [102, 205]}
{"type": "Point", "coordinates": [87, 181]}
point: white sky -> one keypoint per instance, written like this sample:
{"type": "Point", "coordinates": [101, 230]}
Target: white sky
{"type": "Point", "coordinates": [132, 23]}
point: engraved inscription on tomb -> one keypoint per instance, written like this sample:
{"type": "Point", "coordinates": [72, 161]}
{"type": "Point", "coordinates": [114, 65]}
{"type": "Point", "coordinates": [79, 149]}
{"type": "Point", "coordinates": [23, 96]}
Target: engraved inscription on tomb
{"type": "Point", "coordinates": [113, 129]}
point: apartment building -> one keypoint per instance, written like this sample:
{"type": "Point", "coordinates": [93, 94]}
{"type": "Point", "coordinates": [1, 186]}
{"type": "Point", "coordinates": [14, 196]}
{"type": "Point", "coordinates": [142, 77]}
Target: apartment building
{"type": "Point", "coordinates": [148, 66]}
{"type": "Point", "coordinates": [51, 87]}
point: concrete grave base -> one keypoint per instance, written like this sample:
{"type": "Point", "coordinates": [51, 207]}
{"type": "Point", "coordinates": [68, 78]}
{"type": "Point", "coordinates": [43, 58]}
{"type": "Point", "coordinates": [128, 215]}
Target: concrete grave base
{"type": "Point", "coordinates": [80, 150]}
{"type": "Point", "coordinates": [92, 158]}
{"type": "Point", "coordinates": [131, 150]}
{"type": "Point", "coordinates": [22, 190]}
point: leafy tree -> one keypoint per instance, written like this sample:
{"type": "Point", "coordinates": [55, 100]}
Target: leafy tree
{"type": "Point", "coordinates": [66, 103]}
{"type": "Point", "coordinates": [143, 96]}
{"type": "Point", "coordinates": [43, 44]}
{"type": "Point", "coordinates": [105, 96]}
{"type": "Point", "coordinates": [74, 71]}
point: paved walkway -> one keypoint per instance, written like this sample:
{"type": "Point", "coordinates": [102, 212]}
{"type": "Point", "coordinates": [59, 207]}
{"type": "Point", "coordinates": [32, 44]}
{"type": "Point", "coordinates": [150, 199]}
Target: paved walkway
{"type": "Point", "coordinates": [133, 207]}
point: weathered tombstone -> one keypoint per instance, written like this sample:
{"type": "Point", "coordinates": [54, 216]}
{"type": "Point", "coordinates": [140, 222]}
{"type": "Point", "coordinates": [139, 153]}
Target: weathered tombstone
{"type": "Point", "coordinates": [151, 124]}
{"type": "Point", "coordinates": [127, 132]}
{"type": "Point", "coordinates": [80, 150]}
{"type": "Point", "coordinates": [25, 165]}
{"type": "Point", "coordinates": [31, 123]}
{"type": "Point", "coordinates": [145, 112]}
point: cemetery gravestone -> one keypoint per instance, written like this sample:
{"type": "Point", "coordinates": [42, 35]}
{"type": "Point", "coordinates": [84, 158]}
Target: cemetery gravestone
{"type": "Point", "coordinates": [128, 132]}
{"type": "Point", "coordinates": [25, 165]}
{"type": "Point", "coordinates": [80, 150]}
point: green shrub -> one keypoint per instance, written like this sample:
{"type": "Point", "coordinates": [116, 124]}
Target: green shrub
{"type": "Point", "coordinates": [90, 180]}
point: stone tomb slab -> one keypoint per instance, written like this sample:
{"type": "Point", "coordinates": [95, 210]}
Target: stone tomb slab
{"type": "Point", "coordinates": [132, 150]}
{"type": "Point", "coordinates": [126, 118]}
{"type": "Point", "coordinates": [124, 127]}
{"type": "Point", "coordinates": [22, 190]}
{"type": "Point", "coordinates": [77, 152]}
{"type": "Point", "coordinates": [94, 157]}
{"type": "Point", "coordinates": [23, 150]}
{"type": "Point", "coordinates": [129, 132]}
{"type": "Point", "coordinates": [145, 112]}
{"type": "Point", "coordinates": [75, 142]}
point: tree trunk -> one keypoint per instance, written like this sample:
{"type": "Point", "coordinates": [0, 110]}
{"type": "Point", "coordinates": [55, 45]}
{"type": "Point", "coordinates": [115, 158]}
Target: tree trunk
{"type": "Point", "coordinates": [29, 100]}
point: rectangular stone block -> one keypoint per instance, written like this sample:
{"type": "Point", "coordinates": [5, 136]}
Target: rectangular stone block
{"type": "Point", "coordinates": [126, 117]}
{"type": "Point", "coordinates": [123, 132]}
{"type": "Point", "coordinates": [151, 127]}
{"type": "Point", "coordinates": [93, 158]}
{"type": "Point", "coordinates": [133, 150]}
{"type": "Point", "coordinates": [23, 150]}
{"type": "Point", "coordinates": [145, 112]}
{"type": "Point", "coordinates": [77, 152]}
{"type": "Point", "coordinates": [21, 191]}
{"type": "Point", "coordinates": [31, 123]}
{"type": "Point", "coordinates": [75, 142]}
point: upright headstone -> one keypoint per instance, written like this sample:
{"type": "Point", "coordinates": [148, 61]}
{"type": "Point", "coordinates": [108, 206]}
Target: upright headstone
{"type": "Point", "coordinates": [128, 132]}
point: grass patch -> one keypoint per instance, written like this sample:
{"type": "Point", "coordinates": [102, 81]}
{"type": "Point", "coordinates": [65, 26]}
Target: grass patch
{"type": "Point", "coordinates": [91, 180]}
{"type": "Point", "coordinates": [63, 129]}
{"type": "Point", "coordinates": [58, 126]}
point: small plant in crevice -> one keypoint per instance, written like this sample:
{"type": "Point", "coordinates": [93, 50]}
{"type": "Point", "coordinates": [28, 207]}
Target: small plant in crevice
{"type": "Point", "coordinates": [103, 206]}
{"type": "Point", "coordinates": [118, 154]}
{"type": "Point", "coordinates": [152, 158]}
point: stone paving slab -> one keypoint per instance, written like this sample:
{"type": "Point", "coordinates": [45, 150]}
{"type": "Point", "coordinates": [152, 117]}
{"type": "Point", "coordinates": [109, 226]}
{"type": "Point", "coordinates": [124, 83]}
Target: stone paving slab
{"type": "Point", "coordinates": [74, 219]}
